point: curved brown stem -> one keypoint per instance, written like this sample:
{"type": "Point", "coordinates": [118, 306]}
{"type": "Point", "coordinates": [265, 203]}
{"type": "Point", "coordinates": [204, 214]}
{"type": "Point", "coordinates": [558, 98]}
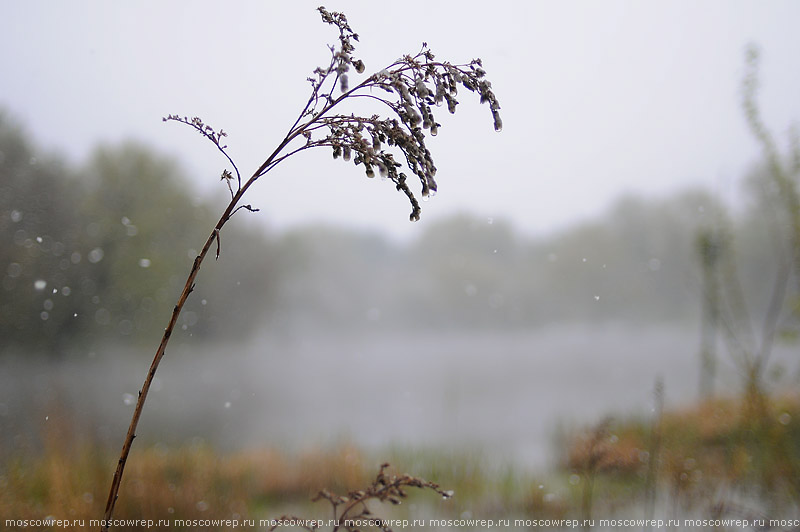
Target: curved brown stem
{"type": "Point", "coordinates": [188, 287]}
{"type": "Point", "coordinates": [113, 493]}
{"type": "Point", "coordinates": [408, 137]}
{"type": "Point", "coordinates": [268, 164]}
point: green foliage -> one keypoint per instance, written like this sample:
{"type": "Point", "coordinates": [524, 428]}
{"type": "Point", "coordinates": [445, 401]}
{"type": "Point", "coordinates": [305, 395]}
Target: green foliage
{"type": "Point", "coordinates": [41, 262]}
{"type": "Point", "coordinates": [93, 252]}
{"type": "Point", "coordinates": [140, 218]}
{"type": "Point", "coordinates": [465, 271]}
{"type": "Point", "coordinates": [633, 264]}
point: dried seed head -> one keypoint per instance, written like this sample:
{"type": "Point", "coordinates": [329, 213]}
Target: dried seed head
{"type": "Point", "coordinates": [453, 89]}
{"type": "Point", "coordinates": [411, 85]}
{"type": "Point", "coordinates": [422, 90]}
{"type": "Point", "coordinates": [440, 91]}
{"type": "Point", "coordinates": [498, 122]}
{"type": "Point", "coordinates": [413, 116]}
{"type": "Point", "coordinates": [451, 104]}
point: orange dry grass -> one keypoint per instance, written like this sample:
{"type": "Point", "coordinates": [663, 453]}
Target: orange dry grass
{"type": "Point", "coordinates": [621, 455]}
{"type": "Point", "coordinates": [714, 439]}
{"type": "Point", "coordinates": [69, 479]}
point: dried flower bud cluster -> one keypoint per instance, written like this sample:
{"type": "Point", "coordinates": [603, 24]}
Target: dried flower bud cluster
{"type": "Point", "coordinates": [411, 88]}
{"type": "Point", "coordinates": [351, 510]}
{"type": "Point", "coordinates": [343, 56]}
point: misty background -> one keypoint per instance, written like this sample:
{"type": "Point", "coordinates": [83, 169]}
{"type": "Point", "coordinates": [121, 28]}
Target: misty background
{"type": "Point", "coordinates": [551, 281]}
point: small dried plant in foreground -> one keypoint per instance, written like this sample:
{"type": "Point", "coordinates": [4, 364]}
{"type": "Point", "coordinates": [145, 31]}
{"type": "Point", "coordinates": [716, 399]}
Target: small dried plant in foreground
{"type": "Point", "coordinates": [351, 513]}
{"type": "Point", "coordinates": [391, 144]}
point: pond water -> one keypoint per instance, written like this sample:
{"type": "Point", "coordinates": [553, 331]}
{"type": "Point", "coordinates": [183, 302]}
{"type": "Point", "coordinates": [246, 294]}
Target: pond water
{"type": "Point", "coordinates": [505, 394]}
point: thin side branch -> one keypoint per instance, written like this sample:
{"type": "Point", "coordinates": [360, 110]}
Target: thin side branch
{"type": "Point", "coordinates": [214, 136]}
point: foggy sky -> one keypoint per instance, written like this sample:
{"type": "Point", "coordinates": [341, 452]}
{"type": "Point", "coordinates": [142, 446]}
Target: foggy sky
{"type": "Point", "coordinates": [598, 98]}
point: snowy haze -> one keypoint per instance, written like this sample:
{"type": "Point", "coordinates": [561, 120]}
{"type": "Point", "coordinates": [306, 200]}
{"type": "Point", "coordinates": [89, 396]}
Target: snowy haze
{"type": "Point", "coordinates": [598, 98]}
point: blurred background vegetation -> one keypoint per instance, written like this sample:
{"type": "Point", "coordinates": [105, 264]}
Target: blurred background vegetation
{"type": "Point", "coordinates": [99, 251]}
{"type": "Point", "coordinates": [95, 255]}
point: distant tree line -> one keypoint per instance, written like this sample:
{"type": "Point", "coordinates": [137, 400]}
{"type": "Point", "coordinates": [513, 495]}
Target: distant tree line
{"type": "Point", "coordinates": [94, 254]}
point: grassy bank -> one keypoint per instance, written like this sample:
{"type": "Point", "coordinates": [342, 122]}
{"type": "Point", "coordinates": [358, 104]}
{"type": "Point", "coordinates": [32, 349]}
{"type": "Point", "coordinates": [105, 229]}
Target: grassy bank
{"type": "Point", "coordinates": [735, 456]}
{"type": "Point", "coordinates": [710, 459]}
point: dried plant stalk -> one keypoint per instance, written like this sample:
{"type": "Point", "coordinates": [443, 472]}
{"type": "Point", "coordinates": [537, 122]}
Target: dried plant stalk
{"type": "Point", "coordinates": [351, 513]}
{"type": "Point", "coordinates": [408, 90]}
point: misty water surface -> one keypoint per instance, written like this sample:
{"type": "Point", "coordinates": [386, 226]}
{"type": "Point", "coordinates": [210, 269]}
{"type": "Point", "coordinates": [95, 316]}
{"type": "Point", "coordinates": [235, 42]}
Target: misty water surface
{"type": "Point", "coordinates": [505, 394]}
